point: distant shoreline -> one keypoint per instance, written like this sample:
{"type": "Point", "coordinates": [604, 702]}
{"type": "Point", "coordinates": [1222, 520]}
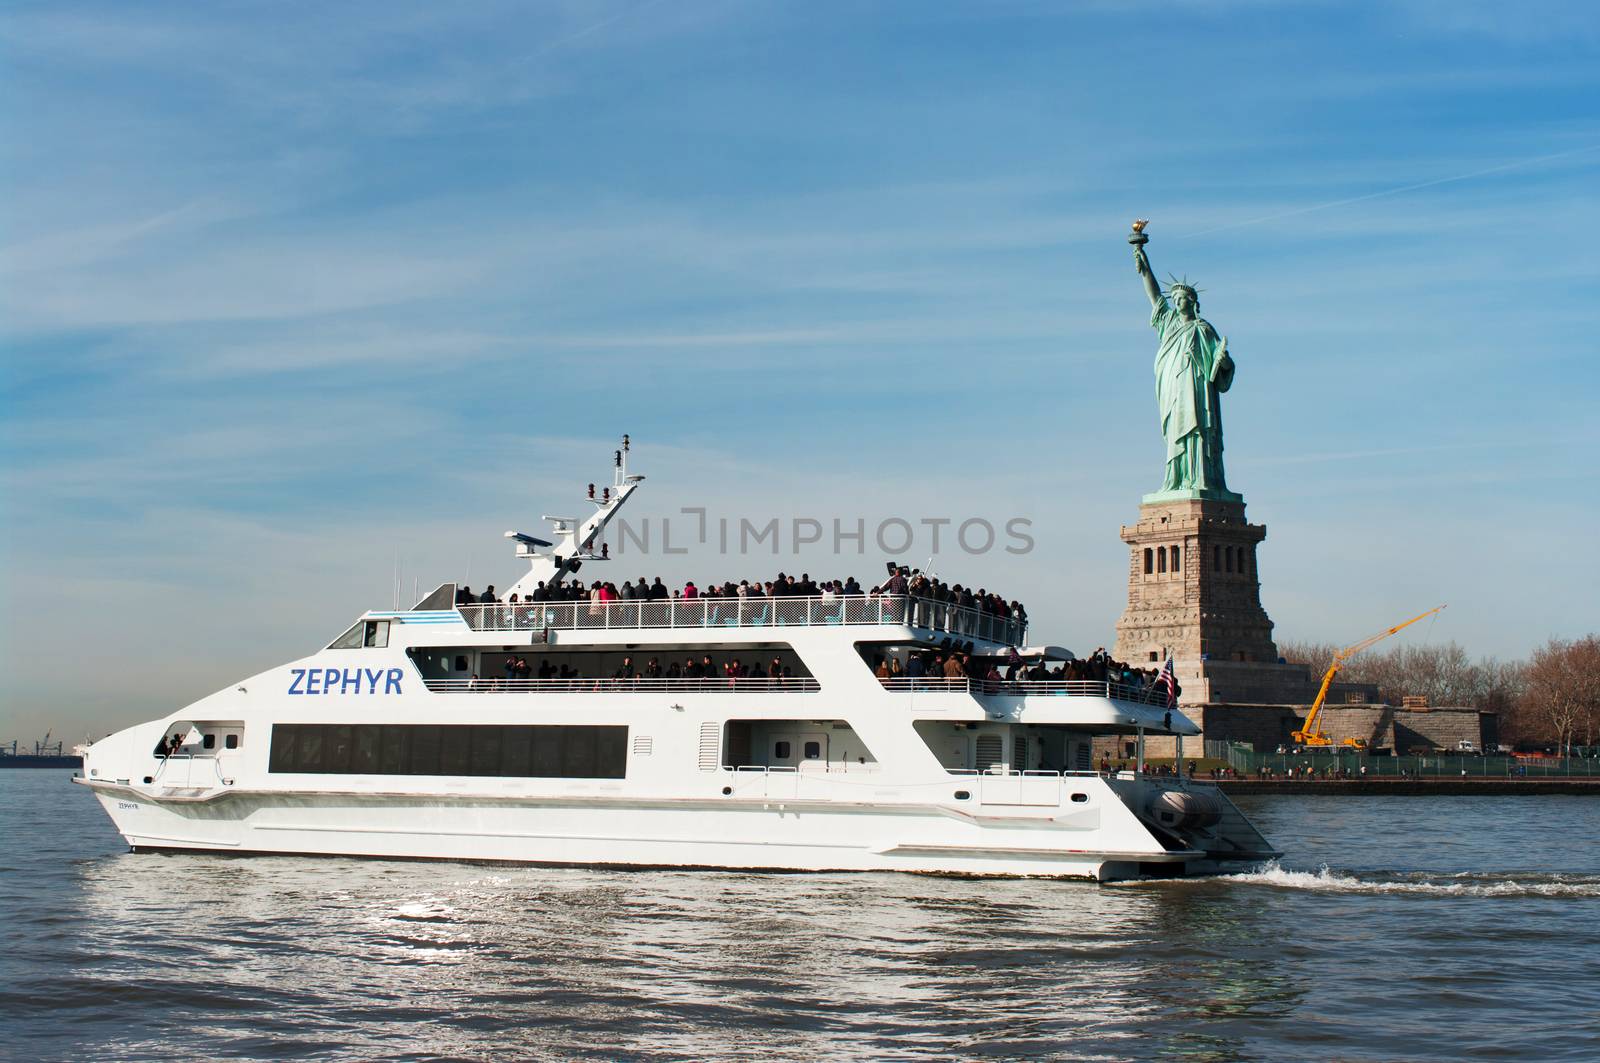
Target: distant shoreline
{"type": "Point", "coordinates": [1425, 787]}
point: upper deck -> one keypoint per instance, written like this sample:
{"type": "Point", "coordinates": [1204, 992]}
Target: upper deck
{"type": "Point", "coordinates": [872, 610]}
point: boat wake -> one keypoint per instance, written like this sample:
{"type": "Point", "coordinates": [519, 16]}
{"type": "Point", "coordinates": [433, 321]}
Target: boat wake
{"type": "Point", "coordinates": [1461, 884]}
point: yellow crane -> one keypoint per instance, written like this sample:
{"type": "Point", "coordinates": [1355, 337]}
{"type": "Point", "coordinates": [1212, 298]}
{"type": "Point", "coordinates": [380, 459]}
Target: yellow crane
{"type": "Point", "coordinates": [1310, 734]}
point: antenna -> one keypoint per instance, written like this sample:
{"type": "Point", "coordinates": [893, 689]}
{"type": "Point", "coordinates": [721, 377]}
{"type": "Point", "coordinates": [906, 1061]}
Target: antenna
{"type": "Point", "coordinates": [577, 540]}
{"type": "Point", "coordinates": [622, 460]}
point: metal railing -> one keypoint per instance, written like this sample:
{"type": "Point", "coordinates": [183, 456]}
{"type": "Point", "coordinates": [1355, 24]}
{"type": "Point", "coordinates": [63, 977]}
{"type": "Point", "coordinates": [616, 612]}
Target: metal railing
{"type": "Point", "coordinates": [715, 685]}
{"type": "Point", "coordinates": [998, 772]}
{"type": "Point", "coordinates": [746, 612]}
{"type": "Point", "coordinates": [812, 767]}
{"type": "Point", "coordinates": [178, 770]}
{"type": "Point", "coordinates": [1347, 763]}
{"type": "Point", "coordinates": [1081, 688]}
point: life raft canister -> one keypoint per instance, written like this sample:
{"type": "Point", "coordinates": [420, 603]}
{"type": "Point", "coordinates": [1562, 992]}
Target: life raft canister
{"type": "Point", "coordinates": [1186, 809]}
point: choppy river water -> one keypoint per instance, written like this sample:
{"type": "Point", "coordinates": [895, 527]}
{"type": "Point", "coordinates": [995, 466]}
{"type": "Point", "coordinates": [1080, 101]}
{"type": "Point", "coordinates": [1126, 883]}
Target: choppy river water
{"type": "Point", "coordinates": [1395, 928]}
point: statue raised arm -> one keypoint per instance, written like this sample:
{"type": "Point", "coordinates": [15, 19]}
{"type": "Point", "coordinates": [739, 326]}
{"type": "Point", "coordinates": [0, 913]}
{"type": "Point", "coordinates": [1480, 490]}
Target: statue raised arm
{"type": "Point", "coordinates": [1193, 369]}
{"type": "Point", "coordinates": [1152, 287]}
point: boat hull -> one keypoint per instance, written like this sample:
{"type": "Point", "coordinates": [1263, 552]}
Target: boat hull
{"type": "Point", "coordinates": [767, 835]}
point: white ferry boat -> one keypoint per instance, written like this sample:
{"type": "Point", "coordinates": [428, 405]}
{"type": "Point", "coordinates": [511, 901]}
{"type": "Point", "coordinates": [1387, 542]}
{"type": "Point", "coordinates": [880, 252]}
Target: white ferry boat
{"type": "Point", "coordinates": [401, 739]}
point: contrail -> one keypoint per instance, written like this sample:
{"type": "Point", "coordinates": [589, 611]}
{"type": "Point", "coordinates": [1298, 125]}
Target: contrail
{"type": "Point", "coordinates": [1392, 191]}
{"type": "Point", "coordinates": [561, 42]}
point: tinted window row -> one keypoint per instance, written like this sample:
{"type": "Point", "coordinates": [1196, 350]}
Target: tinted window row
{"type": "Point", "coordinates": [532, 752]}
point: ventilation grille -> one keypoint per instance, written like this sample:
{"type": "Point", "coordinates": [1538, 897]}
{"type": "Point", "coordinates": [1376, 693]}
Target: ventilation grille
{"type": "Point", "coordinates": [991, 750]}
{"type": "Point", "coordinates": [1084, 757]}
{"type": "Point", "coordinates": [708, 746]}
{"type": "Point", "coordinates": [1019, 756]}
{"type": "Point", "coordinates": [643, 745]}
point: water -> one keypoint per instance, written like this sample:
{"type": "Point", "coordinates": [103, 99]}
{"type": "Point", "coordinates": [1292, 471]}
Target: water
{"type": "Point", "coordinates": [1441, 928]}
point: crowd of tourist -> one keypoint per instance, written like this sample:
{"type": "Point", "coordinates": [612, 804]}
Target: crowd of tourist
{"type": "Point", "coordinates": [928, 602]}
{"type": "Point", "coordinates": [991, 674]}
{"type": "Point", "coordinates": [707, 671]}
{"type": "Point", "coordinates": [932, 602]}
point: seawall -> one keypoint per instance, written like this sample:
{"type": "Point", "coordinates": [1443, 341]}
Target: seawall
{"type": "Point", "coordinates": [1413, 787]}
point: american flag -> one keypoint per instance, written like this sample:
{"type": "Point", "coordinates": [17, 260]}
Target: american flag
{"type": "Point", "coordinates": [1168, 683]}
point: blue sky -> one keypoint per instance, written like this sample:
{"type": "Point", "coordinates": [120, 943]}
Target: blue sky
{"type": "Point", "coordinates": [293, 296]}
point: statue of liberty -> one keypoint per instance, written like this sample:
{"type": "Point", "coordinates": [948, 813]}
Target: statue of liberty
{"type": "Point", "coordinates": [1192, 370]}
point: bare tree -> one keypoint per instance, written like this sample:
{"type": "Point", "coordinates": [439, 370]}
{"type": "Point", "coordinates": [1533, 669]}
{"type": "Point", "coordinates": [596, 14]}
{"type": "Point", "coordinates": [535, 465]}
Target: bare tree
{"type": "Point", "coordinates": [1561, 698]}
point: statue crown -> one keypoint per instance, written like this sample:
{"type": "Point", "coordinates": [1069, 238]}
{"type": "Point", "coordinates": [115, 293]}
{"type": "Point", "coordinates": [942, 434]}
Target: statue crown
{"type": "Point", "coordinates": [1176, 285]}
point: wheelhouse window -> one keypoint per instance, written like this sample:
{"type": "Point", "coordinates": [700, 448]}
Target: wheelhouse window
{"type": "Point", "coordinates": [369, 634]}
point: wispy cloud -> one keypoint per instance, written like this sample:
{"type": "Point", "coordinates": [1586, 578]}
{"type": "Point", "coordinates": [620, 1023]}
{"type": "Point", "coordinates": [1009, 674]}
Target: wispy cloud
{"type": "Point", "coordinates": [1515, 164]}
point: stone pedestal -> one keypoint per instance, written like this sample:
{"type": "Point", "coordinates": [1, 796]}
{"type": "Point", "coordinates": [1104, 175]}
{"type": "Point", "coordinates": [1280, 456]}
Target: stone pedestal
{"type": "Point", "coordinates": [1194, 594]}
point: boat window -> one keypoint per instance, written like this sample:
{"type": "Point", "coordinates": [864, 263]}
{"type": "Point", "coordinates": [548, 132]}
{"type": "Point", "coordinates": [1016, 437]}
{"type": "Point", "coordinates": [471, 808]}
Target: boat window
{"type": "Point", "coordinates": [453, 746]}
{"type": "Point", "coordinates": [310, 748]}
{"type": "Point", "coordinates": [370, 633]}
{"type": "Point", "coordinates": [364, 751]}
{"type": "Point", "coordinates": [208, 741]}
{"type": "Point", "coordinates": [538, 751]}
{"type": "Point", "coordinates": [785, 743]}
{"type": "Point", "coordinates": [230, 741]}
{"type": "Point", "coordinates": [337, 743]}
{"type": "Point", "coordinates": [488, 748]}
{"type": "Point", "coordinates": [1079, 799]}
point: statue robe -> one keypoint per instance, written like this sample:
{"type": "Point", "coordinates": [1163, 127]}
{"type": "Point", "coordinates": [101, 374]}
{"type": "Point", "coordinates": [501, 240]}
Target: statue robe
{"type": "Point", "coordinates": [1192, 369]}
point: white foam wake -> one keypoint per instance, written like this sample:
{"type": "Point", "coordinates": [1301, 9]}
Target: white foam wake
{"type": "Point", "coordinates": [1325, 879]}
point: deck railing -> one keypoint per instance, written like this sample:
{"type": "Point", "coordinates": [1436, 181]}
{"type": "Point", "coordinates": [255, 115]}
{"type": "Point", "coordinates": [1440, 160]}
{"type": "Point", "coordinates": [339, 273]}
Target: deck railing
{"type": "Point", "coordinates": [897, 610]}
{"type": "Point", "coordinates": [1011, 773]}
{"type": "Point", "coordinates": [1082, 688]}
{"type": "Point", "coordinates": [717, 685]}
